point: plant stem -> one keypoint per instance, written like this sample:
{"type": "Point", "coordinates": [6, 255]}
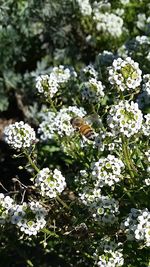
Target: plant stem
{"type": "Point", "coordinates": [62, 202]}
{"type": "Point", "coordinates": [127, 158]}
{"type": "Point", "coordinates": [31, 162]}
{"type": "Point", "coordinates": [52, 104]}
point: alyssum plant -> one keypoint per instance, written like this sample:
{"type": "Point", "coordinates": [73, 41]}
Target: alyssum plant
{"type": "Point", "coordinates": [108, 176]}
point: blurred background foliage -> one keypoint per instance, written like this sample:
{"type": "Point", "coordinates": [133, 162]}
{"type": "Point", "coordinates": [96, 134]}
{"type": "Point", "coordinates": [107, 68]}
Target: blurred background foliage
{"type": "Point", "coordinates": [37, 34]}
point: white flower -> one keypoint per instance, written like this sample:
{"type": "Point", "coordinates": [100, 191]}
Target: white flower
{"type": "Point", "coordinates": [107, 171]}
{"type": "Point", "coordinates": [50, 183]}
{"type": "Point", "coordinates": [125, 118]}
{"type": "Point", "coordinates": [29, 217]}
{"type": "Point", "coordinates": [47, 85]}
{"type": "Point", "coordinates": [108, 23]}
{"type": "Point", "coordinates": [62, 120]}
{"type": "Point", "coordinates": [47, 126]}
{"type": "Point", "coordinates": [102, 208]}
{"type": "Point", "coordinates": [146, 83]}
{"type": "Point", "coordinates": [92, 90]}
{"type": "Point", "coordinates": [85, 7]}
{"type": "Point", "coordinates": [88, 72]}
{"type": "Point", "coordinates": [125, 74]}
{"type": "Point", "coordinates": [146, 125]}
{"type": "Point", "coordinates": [137, 226]}
{"type": "Point", "coordinates": [6, 204]}
{"type": "Point", "coordinates": [19, 135]}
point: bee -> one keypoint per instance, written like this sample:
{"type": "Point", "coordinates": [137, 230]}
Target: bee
{"type": "Point", "coordinates": [80, 125]}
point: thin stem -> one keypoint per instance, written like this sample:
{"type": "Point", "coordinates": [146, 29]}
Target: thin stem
{"type": "Point", "coordinates": [52, 104]}
{"type": "Point", "coordinates": [31, 162]}
{"type": "Point", "coordinates": [62, 202]}
{"type": "Point", "coordinates": [127, 157]}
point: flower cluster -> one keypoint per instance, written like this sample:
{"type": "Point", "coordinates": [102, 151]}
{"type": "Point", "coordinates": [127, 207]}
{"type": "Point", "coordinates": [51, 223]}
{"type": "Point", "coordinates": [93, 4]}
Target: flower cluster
{"type": "Point", "coordinates": [85, 7]}
{"type": "Point", "coordinates": [46, 128]}
{"type": "Point", "coordinates": [107, 171]}
{"type": "Point", "coordinates": [19, 135]}
{"type": "Point", "coordinates": [49, 84]}
{"type": "Point", "coordinates": [88, 73]}
{"type": "Point", "coordinates": [147, 153]}
{"type": "Point", "coordinates": [108, 23]}
{"type": "Point", "coordinates": [29, 217]}
{"type": "Point", "coordinates": [125, 118]}
{"type": "Point", "coordinates": [137, 226]}
{"type": "Point", "coordinates": [92, 90]}
{"type": "Point", "coordinates": [50, 183]}
{"type": "Point", "coordinates": [59, 123]}
{"type": "Point", "coordinates": [111, 259]}
{"type": "Point", "coordinates": [146, 125]}
{"type": "Point", "coordinates": [146, 83]}
{"type": "Point", "coordinates": [6, 203]}
{"type": "Point", "coordinates": [125, 74]}
{"type": "Point", "coordinates": [102, 208]}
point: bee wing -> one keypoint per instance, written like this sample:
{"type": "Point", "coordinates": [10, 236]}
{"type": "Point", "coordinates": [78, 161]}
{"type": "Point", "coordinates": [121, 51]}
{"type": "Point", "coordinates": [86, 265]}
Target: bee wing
{"type": "Point", "coordinates": [94, 120]}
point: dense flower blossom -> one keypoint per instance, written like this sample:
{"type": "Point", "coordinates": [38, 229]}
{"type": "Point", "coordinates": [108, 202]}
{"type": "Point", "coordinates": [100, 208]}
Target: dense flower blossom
{"type": "Point", "coordinates": [146, 83]}
{"type": "Point", "coordinates": [107, 171]}
{"type": "Point", "coordinates": [108, 23]}
{"type": "Point", "coordinates": [137, 226]}
{"type": "Point", "coordinates": [46, 128]}
{"type": "Point", "coordinates": [92, 90]}
{"type": "Point", "coordinates": [88, 72]}
{"type": "Point", "coordinates": [50, 183]}
{"type": "Point", "coordinates": [59, 123]}
{"type": "Point", "coordinates": [50, 84]}
{"type": "Point", "coordinates": [19, 135]}
{"type": "Point", "coordinates": [111, 259]}
{"type": "Point", "coordinates": [47, 85]}
{"type": "Point", "coordinates": [85, 7]}
{"type": "Point", "coordinates": [146, 125]}
{"type": "Point", "coordinates": [125, 74]}
{"type": "Point", "coordinates": [103, 209]}
{"type": "Point", "coordinates": [29, 217]}
{"type": "Point", "coordinates": [6, 203]}
{"type": "Point", "coordinates": [125, 118]}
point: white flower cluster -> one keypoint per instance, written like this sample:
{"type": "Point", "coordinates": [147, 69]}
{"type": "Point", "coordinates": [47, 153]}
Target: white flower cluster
{"type": "Point", "coordinates": [108, 23]}
{"type": "Point", "coordinates": [46, 128]}
{"type": "Point", "coordinates": [6, 203]}
{"type": "Point", "coordinates": [125, 118]}
{"type": "Point", "coordinates": [146, 83]}
{"type": "Point", "coordinates": [124, 2]}
{"type": "Point", "coordinates": [92, 90]}
{"type": "Point", "coordinates": [85, 7]}
{"type": "Point", "coordinates": [50, 183]}
{"type": "Point", "coordinates": [137, 226]}
{"type": "Point", "coordinates": [19, 135]}
{"type": "Point", "coordinates": [147, 153]}
{"type": "Point", "coordinates": [88, 73]}
{"type": "Point", "coordinates": [142, 39]}
{"type": "Point", "coordinates": [49, 84]}
{"type": "Point", "coordinates": [107, 171]}
{"type": "Point", "coordinates": [142, 21]}
{"type": "Point", "coordinates": [63, 74]}
{"type": "Point", "coordinates": [146, 125]}
{"type": "Point", "coordinates": [111, 259]}
{"type": "Point", "coordinates": [62, 120]}
{"type": "Point", "coordinates": [102, 208]}
{"type": "Point", "coordinates": [29, 217]}
{"type": "Point", "coordinates": [59, 123]}
{"type": "Point", "coordinates": [125, 74]}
